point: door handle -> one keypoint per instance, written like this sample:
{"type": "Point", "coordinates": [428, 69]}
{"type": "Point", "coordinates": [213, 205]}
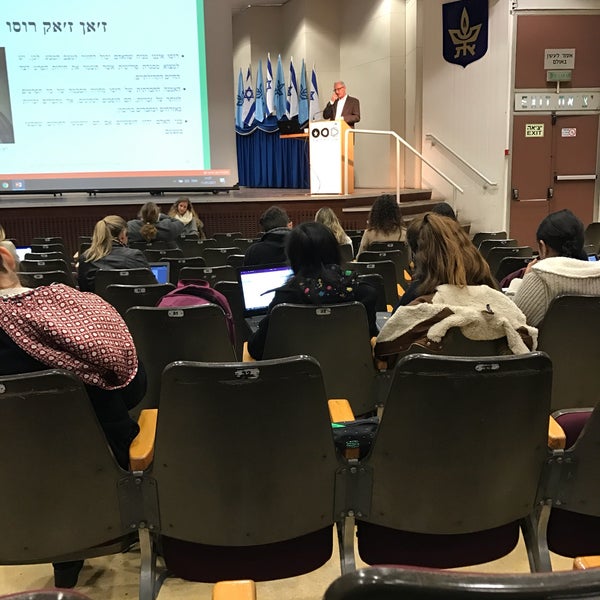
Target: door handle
{"type": "Point", "coordinates": [575, 177]}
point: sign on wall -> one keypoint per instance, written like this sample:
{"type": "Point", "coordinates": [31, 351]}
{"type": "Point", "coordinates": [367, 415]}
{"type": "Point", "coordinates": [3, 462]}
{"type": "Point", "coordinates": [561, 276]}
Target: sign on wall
{"type": "Point", "coordinates": [559, 58]}
{"type": "Point", "coordinates": [534, 130]}
{"type": "Point", "coordinates": [465, 31]}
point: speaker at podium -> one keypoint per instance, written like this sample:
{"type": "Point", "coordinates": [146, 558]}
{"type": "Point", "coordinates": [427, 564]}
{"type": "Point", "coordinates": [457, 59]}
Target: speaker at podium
{"type": "Point", "coordinates": [327, 157]}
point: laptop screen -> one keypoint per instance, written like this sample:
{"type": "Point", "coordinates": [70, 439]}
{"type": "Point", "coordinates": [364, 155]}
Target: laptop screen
{"type": "Point", "coordinates": [161, 271]}
{"type": "Point", "coordinates": [22, 251]}
{"type": "Point", "coordinates": [258, 285]}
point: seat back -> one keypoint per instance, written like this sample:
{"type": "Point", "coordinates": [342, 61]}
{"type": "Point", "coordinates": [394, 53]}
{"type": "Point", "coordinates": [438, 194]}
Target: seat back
{"type": "Point", "coordinates": [59, 478]}
{"type": "Point", "coordinates": [44, 256]}
{"type": "Point", "coordinates": [176, 264]}
{"type": "Point", "coordinates": [164, 335]}
{"type": "Point", "coordinates": [156, 255]}
{"type": "Point", "coordinates": [45, 247]}
{"type": "Point", "coordinates": [224, 240]}
{"type": "Point", "coordinates": [232, 291]}
{"type": "Point", "coordinates": [443, 435]}
{"type": "Point", "coordinates": [486, 245]}
{"type": "Point", "coordinates": [217, 257]}
{"type": "Point", "coordinates": [337, 335]}
{"type": "Point", "coordinates": [210, 274]}
{"type": "Point", "coordinates": [510, 264]}
{"type": "Point", "coordinates": [235, 260]}
{"type": "Point", "coordinates": [123, 297]}
{"type": "Point", "coordinates": [488, 235]}
{"type": "Point", "coordinates": [33, 280]}
{"type": "Point", "coordinates": [155, 245]}
{"type": "Point", "coordinates": [346, 253]}
{"type": "Point", "coordinates": [375, 280]}
{"type": "Point", "coordinates": [386, 246]}
{"type": "Point", "coordinates": [252, 433]}
{"type": "Point", "coordinates": [569, 335]}
{"type": "Point", "coordinates": [106, 277]}
{"type": "Point", "coordinates": [592, 235]}
{"type": "Point", "coordinates": [387, 270]}
{"type": "Point", "coordinates": [399, 257]}
{"type": "Point", "coordinates": [35, 266]}
{"type": "Point", "coordinates": [390, 583]}
{"type": "Point", "coordinates": [495, 255]}
{"type": "Point", "coordinates": [47, 240]}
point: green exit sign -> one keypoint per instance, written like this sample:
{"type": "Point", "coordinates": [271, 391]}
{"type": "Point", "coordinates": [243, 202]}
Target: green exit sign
{"type": "Point", "coordinates": [562, 75]}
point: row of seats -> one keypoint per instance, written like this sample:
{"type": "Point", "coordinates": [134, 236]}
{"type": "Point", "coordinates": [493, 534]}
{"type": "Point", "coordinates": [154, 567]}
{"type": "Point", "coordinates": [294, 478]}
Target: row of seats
{"type": "Point", "coordinates": [245, 481]}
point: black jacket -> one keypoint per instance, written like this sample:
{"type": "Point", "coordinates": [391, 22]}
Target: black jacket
{"type": "Point", "coordinates": [120, 257]}
{"type": "Point", "coordinates": [269, 250]}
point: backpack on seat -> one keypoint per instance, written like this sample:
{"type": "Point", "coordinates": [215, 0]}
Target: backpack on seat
{"type": "Point", "coordinates": [193, 292]}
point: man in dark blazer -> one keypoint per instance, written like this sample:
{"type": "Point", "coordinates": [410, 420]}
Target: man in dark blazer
{"type": "Point", "coordinates": [342, 106]}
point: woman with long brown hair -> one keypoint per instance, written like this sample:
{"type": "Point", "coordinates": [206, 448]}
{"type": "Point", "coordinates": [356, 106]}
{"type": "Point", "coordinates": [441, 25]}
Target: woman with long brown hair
{"type": "Point", "coordinates": [385, 223]}
{"type": "Point", "coordinates": [456, 289]}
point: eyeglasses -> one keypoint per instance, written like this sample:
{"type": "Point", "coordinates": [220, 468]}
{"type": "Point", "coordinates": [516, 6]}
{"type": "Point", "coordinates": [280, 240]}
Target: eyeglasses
{"type": "Point", "coordinates": [338, 89]}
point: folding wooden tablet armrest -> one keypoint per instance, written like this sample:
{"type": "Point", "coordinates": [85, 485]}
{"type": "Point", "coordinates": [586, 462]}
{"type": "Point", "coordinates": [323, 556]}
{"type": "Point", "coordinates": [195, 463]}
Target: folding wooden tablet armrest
{"type": "Point", "coordinates": [557, 440]}
{"type": "Point", "coordinates": [340, 410]}
{"type": "Point", "coordinates": [246, 357]}
{"type": "Point", "coordinates": [141, 451]}
{"type": "Point", "coordinates": [234, 590]}
{"type": "Point", "coordinates": [586, 562]}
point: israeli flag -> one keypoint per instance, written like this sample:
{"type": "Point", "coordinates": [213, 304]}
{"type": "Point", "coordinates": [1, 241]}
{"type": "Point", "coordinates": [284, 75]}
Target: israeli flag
{"type": "Point", "coordinates": [249, 102]}
{"type": "Point", "coordinates": [260, 106]}
{"type": "Point", "coordinates": [280, 91]}
{"type": "Point", "coordinates": [303, 100]}
{"type": "Point", "coordinates": [269, 87]}
{"type": "Point", "coordinates": [292, 93]}
{"type": "Point", "coordinates": [315, 105]}
{"type": "Point", "coordinates": [239, 102]}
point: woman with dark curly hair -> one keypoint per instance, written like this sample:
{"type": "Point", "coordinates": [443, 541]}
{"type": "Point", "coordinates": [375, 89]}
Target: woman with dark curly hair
{"type": "Point", "coordinates": [385, 223]}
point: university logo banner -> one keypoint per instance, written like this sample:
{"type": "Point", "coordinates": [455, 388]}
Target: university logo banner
{"type": "Point", "coordinates": [465, 30]}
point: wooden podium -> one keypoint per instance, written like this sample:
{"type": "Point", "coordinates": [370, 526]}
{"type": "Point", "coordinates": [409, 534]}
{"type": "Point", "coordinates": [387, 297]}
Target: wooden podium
{"type": "Point", "coordinates": [327, 157]}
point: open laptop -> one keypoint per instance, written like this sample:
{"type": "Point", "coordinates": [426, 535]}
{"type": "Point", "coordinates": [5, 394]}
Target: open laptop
{"type": "Point", "coordinates": [22, 251]}
{"type": "Point", "coordinates": [258, 285]}
{"type": "Point", "coordinates": [289, 126]}
{"type": "Point", "coordinates": [160, 271]}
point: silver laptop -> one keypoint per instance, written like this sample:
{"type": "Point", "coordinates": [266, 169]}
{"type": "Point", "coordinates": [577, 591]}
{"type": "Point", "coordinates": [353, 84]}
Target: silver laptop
{"type": "Point", "coordinates": [258, 285]}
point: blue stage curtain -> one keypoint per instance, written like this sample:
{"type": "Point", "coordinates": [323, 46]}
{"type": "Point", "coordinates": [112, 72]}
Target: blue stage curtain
{"type": "Point", "coordinates": [267, 161]}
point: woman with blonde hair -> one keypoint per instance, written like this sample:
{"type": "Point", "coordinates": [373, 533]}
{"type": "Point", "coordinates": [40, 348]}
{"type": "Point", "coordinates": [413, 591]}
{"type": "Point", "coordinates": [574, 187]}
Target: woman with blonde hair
{"type": "Point", "coordinates": [8, 244]}
{"type": "Point", "coordinates": [327, 217]}
{"type": "Point", "coordinates": [385, 223]}
{"type": "Point", "coordinates": [153, 226]}
{"type": "Point", "coordinates": [456, 289]}
{"type": "Point", "coordinates": [108, 251]}
{"type": "Point", "coordinates": [183, 211]}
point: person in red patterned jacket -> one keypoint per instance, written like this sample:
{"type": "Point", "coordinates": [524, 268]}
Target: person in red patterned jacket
{"type": "Point", "coordinates": [57, 326]}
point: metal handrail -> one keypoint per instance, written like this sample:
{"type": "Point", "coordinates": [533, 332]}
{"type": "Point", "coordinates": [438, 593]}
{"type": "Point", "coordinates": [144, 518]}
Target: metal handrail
{"type": "Point", "coordinates": [435, 140]}
{"type": "Point", "coordinates": [399, 140]}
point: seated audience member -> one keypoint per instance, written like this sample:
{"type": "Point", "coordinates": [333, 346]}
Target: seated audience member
{"type": "Point", "coordinates": [153, 226]}
{"type": "Point", "coordinates": [412, 232]}
{"type": "Point", "coordinates": [562, 268]}
{"type": "Point", "coordinates": [327, 217]}
{"type": "Point", "coordinates": [318, 279]}
{"type": "Point", "coordinates": [8, 244]}
{"type": "Point", "coordinates": [108, 251]}
{"type": "Point", "coordinates": [385, 223]}
{"type": "Point", "coordinates": [30, 340]}
{"type": "Point", "coordinates": [456, 289]}
{"type": "Point", "coordinates": [270, 249]}
{"type": "Point", "coordinates": [183, 211]}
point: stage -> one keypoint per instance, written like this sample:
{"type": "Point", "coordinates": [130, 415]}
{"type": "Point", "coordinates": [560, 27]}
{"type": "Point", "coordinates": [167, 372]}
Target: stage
{"type": "Point", "coordinates": [75, 213]}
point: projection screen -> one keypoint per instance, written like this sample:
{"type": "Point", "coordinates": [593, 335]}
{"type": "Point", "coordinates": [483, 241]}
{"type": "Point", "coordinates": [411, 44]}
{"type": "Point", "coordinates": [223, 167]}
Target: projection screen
{"type": "Point", "coordinates": [109, 95]}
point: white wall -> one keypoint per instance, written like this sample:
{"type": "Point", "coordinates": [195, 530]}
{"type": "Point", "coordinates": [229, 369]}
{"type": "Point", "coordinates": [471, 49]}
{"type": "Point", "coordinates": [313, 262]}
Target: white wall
{"type": "Point", "coordinates": [359, 41]}
{"type": "Point", "coordinates": [469, 110]}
